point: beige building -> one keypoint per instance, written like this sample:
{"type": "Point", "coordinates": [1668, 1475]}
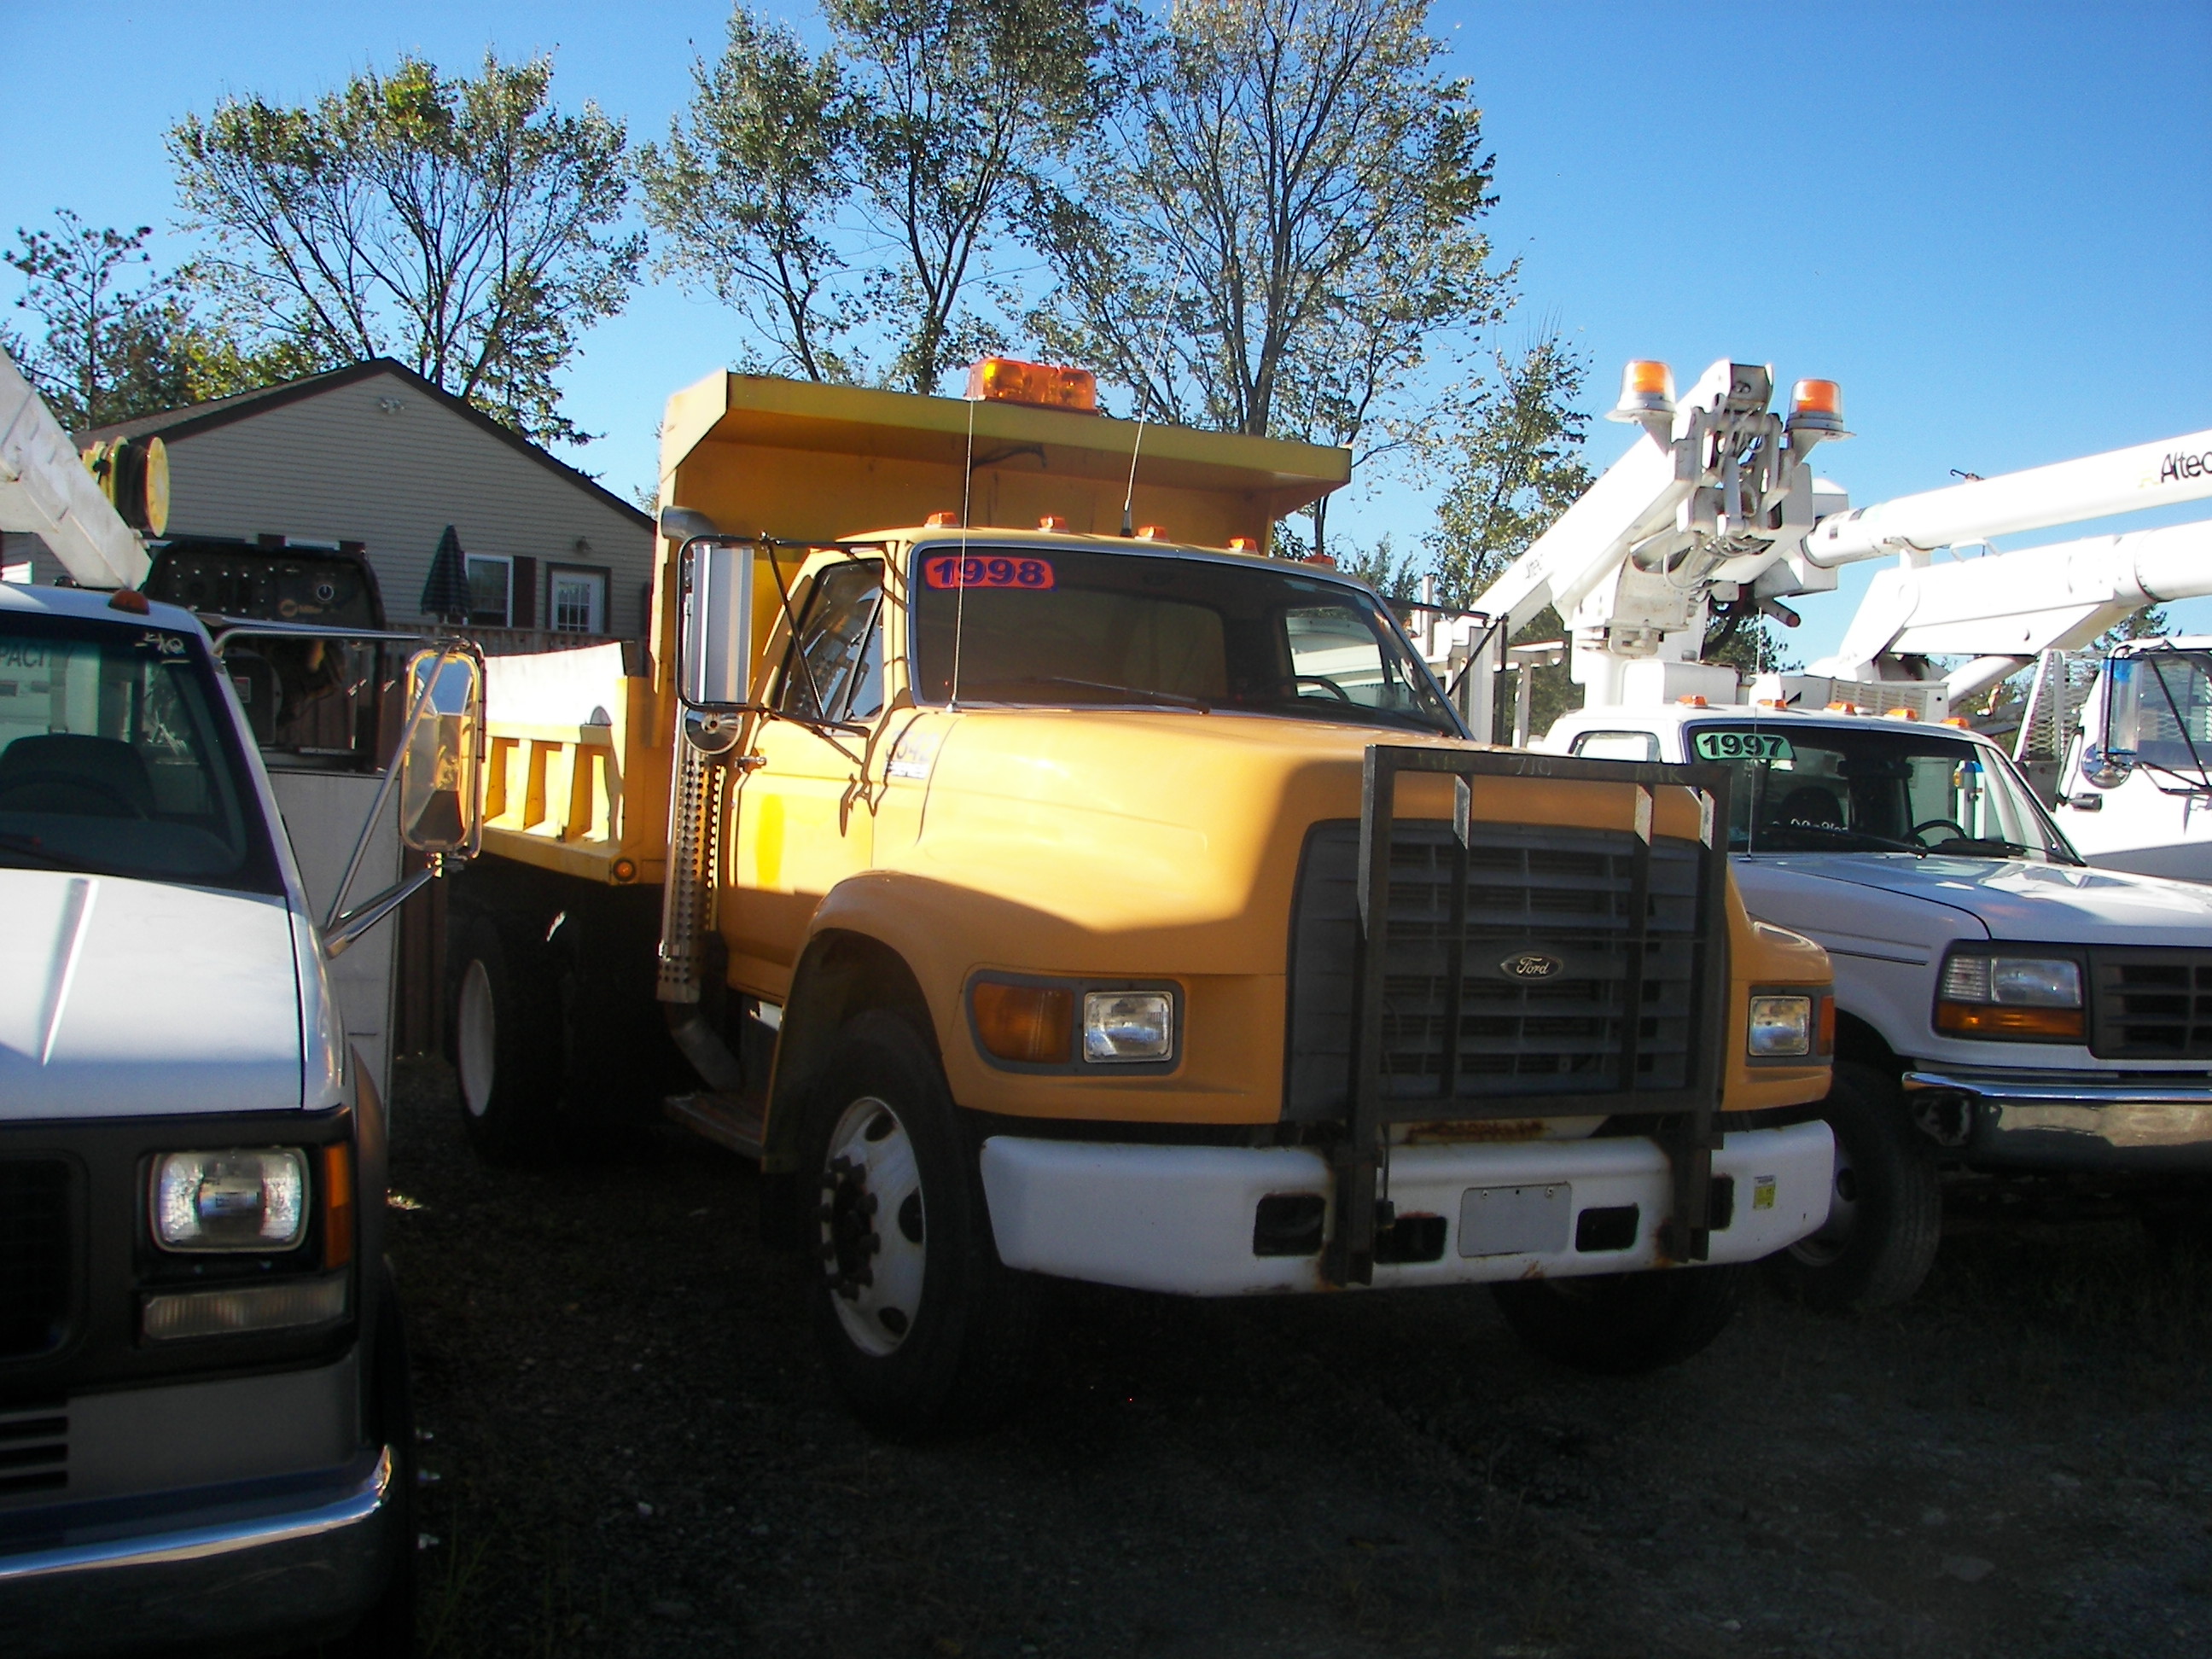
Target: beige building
{"type": "Point", "coordinates": [376, 455]}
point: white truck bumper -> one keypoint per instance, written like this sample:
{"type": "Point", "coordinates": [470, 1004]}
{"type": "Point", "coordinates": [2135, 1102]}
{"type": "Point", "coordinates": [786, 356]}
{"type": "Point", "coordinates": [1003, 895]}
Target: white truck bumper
{"type": "Point", "coordinates": [1183, 1218]}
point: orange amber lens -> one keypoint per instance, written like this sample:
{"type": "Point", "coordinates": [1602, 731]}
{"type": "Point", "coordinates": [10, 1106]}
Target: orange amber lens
{"type": "Point", "coordinates": [1032, 1024]}
{"type": "Point", "coordinates": [338, 1204]}
{"type": "Point", "coordinates": [1987, 1019]}
{"type": "Point", "coordinates": [1817, 397]}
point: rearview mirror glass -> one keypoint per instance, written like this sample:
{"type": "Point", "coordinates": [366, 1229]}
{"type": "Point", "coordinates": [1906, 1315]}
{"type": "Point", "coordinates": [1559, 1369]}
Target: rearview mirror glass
{"type": "Point", "coordinates": [440, 789]}
{"type": "Point", "coordinates": [715, 639]}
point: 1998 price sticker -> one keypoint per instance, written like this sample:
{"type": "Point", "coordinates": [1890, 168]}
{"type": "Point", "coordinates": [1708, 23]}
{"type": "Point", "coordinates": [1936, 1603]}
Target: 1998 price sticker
{"type": "Point", "coordinates": [978, 570]}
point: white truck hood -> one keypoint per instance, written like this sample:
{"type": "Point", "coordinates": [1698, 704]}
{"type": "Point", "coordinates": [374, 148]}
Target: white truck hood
{"type": "Point", "coordinates": [2014, 899]}
{"type": "Point", "coordinates": [122, 998]}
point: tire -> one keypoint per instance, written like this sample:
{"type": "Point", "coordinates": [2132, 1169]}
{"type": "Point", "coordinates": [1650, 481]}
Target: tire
{"type": "Point", "coordinates": [506, 1047]}
{"type": "Point", "coordinates": [922, 1328]}
{"type": "Point", "coordinates": [1887, 1217]}
{"type": "Point", "coordinates": [388, 1632]}
{"type": "Point", "coordinates": [1622, 1324]}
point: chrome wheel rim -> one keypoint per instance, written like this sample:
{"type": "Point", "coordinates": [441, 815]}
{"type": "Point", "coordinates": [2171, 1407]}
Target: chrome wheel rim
{"type": "Point", "coordinates": [1821, 1248]}
{"type": "Point", "coordinates": [476, 1040]}
{"type": "Point", "coordinates": [874, 1247]}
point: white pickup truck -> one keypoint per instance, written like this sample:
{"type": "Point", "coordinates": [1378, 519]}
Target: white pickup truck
{"type": "Point", "coordinates": [2002, 1007]}
{"type": "Point", "coordinates": [204, 1434]}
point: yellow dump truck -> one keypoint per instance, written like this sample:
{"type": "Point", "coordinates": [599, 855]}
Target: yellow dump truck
{"type": "Point", "coordinates": [1056, 886]}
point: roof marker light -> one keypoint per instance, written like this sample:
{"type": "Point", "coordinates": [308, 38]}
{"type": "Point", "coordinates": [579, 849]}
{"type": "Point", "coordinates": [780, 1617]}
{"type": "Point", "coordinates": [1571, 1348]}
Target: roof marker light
{"type": "Point", "coordinates": [1901, 714]}
{"type": "Point", "coordinates": [1695, 700]}
{"type": "Point", "coordinates": [941, 521]}
{"type": "Point", "coordinates": [1958, 721]}
{"type": "Point", "coordinates": [1243, 545]}
{"type": "Point", "coordinates": [1010, 381]}
{"type": "Point", "coordinates": [1152, 532]}
{"type": "Point", "coordinates": [1052, 522]}
{"type": "Point", "coordinates": [130, 599]}
{"type": "Point", "coordinates": [1843, 709]}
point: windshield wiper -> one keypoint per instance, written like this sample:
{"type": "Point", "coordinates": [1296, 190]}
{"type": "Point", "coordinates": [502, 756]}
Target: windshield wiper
{"type": "Point", "coordinates": [1795, 827]}
{"type": "Point", "coordinates": [1172, 699]}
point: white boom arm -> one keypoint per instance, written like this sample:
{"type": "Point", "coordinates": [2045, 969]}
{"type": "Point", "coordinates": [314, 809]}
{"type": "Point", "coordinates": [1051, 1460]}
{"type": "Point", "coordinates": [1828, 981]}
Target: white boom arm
{"type": "Point", "coordinates": [44, 487]}
{"type": "Point", "coordinates": [2005, 609]}
{"type": "Point", "coordinates": [1715, 495]}
{"type": "Point", "coordinates": [2150, 475]}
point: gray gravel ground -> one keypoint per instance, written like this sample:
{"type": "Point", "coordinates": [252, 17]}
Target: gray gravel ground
{"type": "Point", "coordinates": [638, 1454]}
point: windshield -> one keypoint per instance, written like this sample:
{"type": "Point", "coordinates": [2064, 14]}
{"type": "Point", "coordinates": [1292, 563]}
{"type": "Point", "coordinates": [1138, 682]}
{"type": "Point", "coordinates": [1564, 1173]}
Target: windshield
{"type": "Point", "coordinates": [2160, 709]}
{"type": "Point", "coordinates": [116, 757]}
{"type": "Point", "coordinates": [1060, 626]}
{"type": "Point", "coordinates": [1875, 788]}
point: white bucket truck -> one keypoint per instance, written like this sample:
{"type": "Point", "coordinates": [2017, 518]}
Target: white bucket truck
{"type": "Point", "coordinates": [205, 1431]}
{"type": "Point", "coordinates": [2002, 1007]}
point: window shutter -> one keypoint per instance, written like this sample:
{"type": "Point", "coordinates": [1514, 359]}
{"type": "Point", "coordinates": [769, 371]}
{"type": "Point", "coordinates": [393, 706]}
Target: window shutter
{"type": "Point", "coordinates": [525, 593]}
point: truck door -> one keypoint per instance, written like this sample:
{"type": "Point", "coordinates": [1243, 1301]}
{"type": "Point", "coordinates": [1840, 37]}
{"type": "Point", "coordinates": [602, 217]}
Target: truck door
{"type": "Point", "coordinates": [805, 820]}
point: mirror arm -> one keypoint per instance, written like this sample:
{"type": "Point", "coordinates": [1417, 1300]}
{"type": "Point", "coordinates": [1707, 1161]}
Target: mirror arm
{"type": "Point", "coordinates": [383, 793]}
{"type": "Point", "coordinates": [342, 931]}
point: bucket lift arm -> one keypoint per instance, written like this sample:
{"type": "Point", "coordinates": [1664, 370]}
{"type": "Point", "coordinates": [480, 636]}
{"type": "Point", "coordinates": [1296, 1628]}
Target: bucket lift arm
{"type": "Point", "coordinates": [1714, 500]}
{"type": "Point", "coordinates": [2004, 610]}
{"type": "Point", "coordinates": [44, 487]}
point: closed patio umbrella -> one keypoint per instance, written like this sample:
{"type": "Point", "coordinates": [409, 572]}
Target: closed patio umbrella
{"type": "Point", "coordinates": [445, 589]}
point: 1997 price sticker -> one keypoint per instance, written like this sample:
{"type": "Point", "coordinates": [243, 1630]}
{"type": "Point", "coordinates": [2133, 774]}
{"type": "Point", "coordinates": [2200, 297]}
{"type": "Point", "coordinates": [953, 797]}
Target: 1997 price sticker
{"type": "Point", "coordinates": [978, 570]}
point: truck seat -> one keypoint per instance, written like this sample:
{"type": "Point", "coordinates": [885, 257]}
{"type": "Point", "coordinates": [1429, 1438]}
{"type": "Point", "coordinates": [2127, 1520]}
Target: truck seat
{"type": "Point", "coordinates": [83, 777]}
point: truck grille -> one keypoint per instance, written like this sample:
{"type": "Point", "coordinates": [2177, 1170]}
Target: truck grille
{"type": "Point", "coordinates": [33, 1447]}
{"type": "Point", "coordinates": [2150, 1004]}
{"type": "Point", "coordinates": [1562, 894]}
{"type": "Point", "coordinates": [35, 1255]}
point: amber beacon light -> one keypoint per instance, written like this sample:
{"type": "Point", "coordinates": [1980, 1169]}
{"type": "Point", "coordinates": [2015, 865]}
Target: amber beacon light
{"type": "Point", "coordinates": [1010, 381]}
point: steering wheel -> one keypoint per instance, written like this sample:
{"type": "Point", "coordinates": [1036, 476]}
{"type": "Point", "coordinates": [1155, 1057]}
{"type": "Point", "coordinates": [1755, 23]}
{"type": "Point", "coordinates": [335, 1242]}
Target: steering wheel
{"type": "Point", "coordinates": [1941, 824]}
{"type": "Point", "coordinates": [77, 780]}
{"type": "Point", "coordinates": [1324, 682]}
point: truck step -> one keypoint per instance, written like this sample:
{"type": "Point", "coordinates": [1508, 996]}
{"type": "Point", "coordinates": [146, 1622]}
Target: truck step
{"type": "Point", "coordinates": [737, 1122]}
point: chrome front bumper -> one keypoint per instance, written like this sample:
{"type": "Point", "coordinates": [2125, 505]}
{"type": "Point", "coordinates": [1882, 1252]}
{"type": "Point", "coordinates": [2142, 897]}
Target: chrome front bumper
{"type": "Point", "coordinates": [2054, 1121]}
{"type": "Point", "coordinates": [302, 1557]}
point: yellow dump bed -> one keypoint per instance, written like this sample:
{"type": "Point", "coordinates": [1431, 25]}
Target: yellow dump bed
{"type": "Point", "coordinates": [576, 778]}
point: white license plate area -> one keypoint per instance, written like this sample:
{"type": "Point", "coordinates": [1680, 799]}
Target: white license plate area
{"type": "Point", "coordinates": [1516, 1221]}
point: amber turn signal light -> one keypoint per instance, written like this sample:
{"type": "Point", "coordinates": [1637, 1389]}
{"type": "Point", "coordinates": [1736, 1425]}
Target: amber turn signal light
{"type": "Point", "coordinates": [2000, 1019]}
{"type": "Point", "coordinates": [1033, 1024]}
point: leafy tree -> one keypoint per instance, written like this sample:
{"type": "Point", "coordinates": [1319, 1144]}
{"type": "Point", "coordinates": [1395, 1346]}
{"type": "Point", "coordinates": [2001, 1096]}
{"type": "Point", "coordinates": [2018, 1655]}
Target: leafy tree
{"type": "Point", "coordinates": [744, 197]}
{"type": "Point", "coordinates": [962, 108]}
{"type": "Point", "coordinates": [869, 187]}
{"type": "Point", "coordinates": [463, 226]}
{"type": "Point", "coordinates": [1516, 465]}
{"type": "Point", "coordinates": [111, 338]}
{"type": "Point", "coordinates": [1278, 222]}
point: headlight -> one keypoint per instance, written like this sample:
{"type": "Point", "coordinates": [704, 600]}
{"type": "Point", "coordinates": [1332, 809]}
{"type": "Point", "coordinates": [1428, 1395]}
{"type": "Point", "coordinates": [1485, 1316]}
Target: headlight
{"type": "Point", "coordinates": [233, 1200]}
{"type": "Point", "coordinates": [1780, 1027]}
{"type": "Point", "coordinates": [1127, 1025]}
{"type": "Point", "coordinates": [2032, 999]}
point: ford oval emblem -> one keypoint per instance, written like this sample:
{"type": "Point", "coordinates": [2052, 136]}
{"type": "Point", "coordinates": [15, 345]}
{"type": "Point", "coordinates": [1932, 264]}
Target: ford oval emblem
{"type": "Point", "coordinates": [1530, 964]}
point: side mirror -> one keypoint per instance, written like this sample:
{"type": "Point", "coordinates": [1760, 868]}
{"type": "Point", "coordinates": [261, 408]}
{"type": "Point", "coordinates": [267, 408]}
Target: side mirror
{"type": "Point", "coordinates": [714, 640]}
{"type": "Point", "coordinates": [441, 765]}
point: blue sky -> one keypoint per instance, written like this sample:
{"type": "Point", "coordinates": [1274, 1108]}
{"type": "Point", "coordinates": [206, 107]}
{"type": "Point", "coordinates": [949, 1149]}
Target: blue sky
{"type": "Point", "coordinates": [1991, 223]}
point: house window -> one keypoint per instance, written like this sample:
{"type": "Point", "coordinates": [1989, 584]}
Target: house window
{"type": "Point", "coordinates": [576, 599]}
{"type": "Point", "coordinates": [491, 590]}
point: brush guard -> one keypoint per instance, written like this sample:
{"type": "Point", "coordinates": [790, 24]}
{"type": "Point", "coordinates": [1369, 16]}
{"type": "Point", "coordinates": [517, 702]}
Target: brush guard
{"type": "Point", "coordinates": [1682, 1119]}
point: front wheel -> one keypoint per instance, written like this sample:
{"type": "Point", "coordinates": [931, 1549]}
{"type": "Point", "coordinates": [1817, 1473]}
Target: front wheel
{"type": "Point", "coordinates": [1884, 1213]}
{"type": "Point", "coordinates": [505, 1047]}
{"type": "Point", "coordinates": [922, 1326]}
{"type": "Point", "coordinates": [1622, 1324]}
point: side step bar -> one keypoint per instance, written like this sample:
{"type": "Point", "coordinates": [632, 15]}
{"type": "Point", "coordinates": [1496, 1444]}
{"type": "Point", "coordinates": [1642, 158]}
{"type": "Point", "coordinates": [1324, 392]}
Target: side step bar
{"type": "Point", "coordinates": [737, 1122]}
